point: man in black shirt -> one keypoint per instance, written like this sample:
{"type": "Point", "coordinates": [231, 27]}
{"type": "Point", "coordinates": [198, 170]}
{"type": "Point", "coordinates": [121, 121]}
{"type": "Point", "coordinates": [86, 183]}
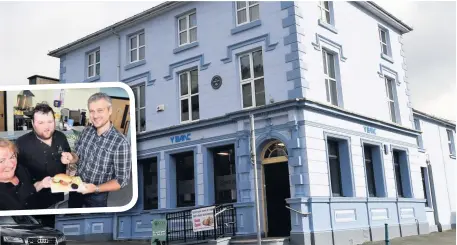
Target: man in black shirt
{"type": "Point", "coordinates": [40, 152]}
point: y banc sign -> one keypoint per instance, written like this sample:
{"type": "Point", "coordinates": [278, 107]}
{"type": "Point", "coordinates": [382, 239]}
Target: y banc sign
{"type": "Point", "coordinates": [180, 138]}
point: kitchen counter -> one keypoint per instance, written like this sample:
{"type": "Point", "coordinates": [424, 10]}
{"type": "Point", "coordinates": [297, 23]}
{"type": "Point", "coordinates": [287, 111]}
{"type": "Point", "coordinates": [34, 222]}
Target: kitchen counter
{"type": "Point", "coordinates": [16, 134]}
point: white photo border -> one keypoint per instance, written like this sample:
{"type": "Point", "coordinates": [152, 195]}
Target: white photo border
{"type": "Point", "coordinates": [133, 146]}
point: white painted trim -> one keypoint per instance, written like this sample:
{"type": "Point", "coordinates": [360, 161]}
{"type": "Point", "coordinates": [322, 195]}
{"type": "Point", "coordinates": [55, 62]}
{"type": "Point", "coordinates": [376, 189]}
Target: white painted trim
{"type": "Point", "coordinates": [248, 16]}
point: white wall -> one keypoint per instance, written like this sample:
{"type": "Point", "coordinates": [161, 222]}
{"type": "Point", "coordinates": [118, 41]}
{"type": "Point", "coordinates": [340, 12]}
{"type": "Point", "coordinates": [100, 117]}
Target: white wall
{"type": "Point", "coordinates": [317, 158]}
{"type": "Point", "coordinates": [443, 167]}
{"type": "Point", "coordinates": [362, 88]}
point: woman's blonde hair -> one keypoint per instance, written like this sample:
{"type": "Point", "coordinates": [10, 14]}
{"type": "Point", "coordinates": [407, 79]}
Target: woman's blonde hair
{"type": "Point", "coordinates": [6, 143]}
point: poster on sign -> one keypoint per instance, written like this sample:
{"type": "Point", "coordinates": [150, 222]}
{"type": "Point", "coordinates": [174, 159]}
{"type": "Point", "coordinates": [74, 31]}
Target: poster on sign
{"type": "Point", "coordinates": [203, 219]}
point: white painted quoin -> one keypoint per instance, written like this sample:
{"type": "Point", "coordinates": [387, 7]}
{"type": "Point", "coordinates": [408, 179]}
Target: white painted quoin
{"type": "Point", "coordinates": [327, 83]}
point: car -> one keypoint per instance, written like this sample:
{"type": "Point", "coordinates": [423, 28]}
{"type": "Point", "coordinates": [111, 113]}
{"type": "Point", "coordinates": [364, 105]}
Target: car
{"type": "Point", "coordinates": [27, 230]}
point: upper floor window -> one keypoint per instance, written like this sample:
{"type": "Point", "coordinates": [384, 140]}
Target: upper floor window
{"type": "Point", "coordinates": [417, 126]}
{"type": "Point", "coordinates": [247, 11]}
{"type": "Point", "coordinates": [252, 82]}
{"type": "Point", "coordinates": [384, 41]}
{"type": "Point", "coordinates": [330, 77]}
{"type": "Point", "coordinates": [324, 10]}
{"type": "Point", "coordinates": [140, 107]}
{"type": "Point", "coordinates": [187, 26]}
{"type": "Point", "coordinates": [93, 68]}
{"type": "Point", "coordinates": [137, 47]}
{"type": "Point", "coordinates": [391, 99]}
{"type": "Point", "coordinates": [190, 109]}
{"type": "Point", "coordinates": [450, 142]}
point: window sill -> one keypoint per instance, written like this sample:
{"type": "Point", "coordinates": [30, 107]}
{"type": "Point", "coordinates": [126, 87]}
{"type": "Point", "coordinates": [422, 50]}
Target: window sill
{"type": "Point", "coordinates": [411, 199]}
{"type": "Point", "coordinates": [328, 26]}
{"type": "Point", "coordinates": [245, 27]}
{"type": "Point", "coordinates": [422, 150]}
{"type": "Point", "coordinates": [134, 64]}
{"type": "Point", "coordinates": [92, 79]}
{"type": "Point", "coordinates": [429, 209]}
{"type": "Point", "coordinates": [452, 156]}
{"type": "Point", "coordinates": [386, 57]}
{"type": "Point", "coordinates": [185, 47]}
{"type": "Point", "coordinates": [189, 122]}
{"type": "Point", "coordinates": [381, 199]}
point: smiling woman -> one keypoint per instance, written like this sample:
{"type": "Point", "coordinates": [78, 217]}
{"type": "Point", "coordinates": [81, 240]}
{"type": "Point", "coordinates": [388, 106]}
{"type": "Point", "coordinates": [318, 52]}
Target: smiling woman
{"type": "Point", "coordinates": [16, 188]}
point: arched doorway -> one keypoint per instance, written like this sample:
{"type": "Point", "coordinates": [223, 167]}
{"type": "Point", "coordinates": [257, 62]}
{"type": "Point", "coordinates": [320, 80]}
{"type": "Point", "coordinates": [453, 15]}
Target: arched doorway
{"type": "Point", "coordinates": [274, 158]}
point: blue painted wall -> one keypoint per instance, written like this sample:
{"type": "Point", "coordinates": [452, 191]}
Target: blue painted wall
{"type": "Point", "coordinates": [215, 54]}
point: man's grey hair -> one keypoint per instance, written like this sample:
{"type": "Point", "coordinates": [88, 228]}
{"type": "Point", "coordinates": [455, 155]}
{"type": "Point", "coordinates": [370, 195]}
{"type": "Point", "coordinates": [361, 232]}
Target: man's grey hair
{"type": "Point", "coordinates": [99, 96]}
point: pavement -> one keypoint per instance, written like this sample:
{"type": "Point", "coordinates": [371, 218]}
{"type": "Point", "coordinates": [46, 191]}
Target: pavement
{"type": "Point", "coordinates": [435, 238]}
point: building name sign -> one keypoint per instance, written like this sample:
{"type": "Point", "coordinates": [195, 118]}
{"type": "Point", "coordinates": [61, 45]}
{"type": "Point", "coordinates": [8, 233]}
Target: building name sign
{"type": "Point", "coordinates": [180, 138]}
{"type": "Point", "coordinates": [369, 130]}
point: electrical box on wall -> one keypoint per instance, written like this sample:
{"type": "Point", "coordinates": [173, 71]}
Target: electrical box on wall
{"type": "Point", "coordinates": [161, 107]}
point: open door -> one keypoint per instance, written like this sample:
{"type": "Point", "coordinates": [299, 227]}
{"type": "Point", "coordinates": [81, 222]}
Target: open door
{"type": "Point", "coordinates": [120, 116]}
{"type": "Point", "coordinates": [2, 111]}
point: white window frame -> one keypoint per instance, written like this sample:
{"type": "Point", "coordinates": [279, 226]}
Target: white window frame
{"type": "Point", "coordinates": [251, 79]}
{"type": "Point", "coordinates": [188, 96]}
{"type": "Point", "coordinates": [322, 8]}
{"type": "Point", "coordinates": [136, 90]}
{"type": "Point", "coordinates": [137, 49]}
{"type": "Point", "coordinates": [417, 126]}
{"type": "Point", "coordinates": [94, 64]}
{"type": "Point", "coordinates": [188, 29]}
{"type": "Point", "coordinates": [328, 79]}
{"type": "Point", "coordinates": [392, 84]}
{"type": "Point", "coordinates": [387, 44]}
{"type": "Point", "coordinates": [248, 15]}
{"type": "Point", "coordinates": [450, 142]}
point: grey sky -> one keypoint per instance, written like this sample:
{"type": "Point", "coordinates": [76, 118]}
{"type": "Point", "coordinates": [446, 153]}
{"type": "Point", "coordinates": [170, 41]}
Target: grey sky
{"type": "Point", "coordinates": [28, 30]}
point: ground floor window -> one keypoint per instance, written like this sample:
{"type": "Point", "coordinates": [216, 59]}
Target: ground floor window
{"type": "Point", "coordinates": [150, 180]}
{"type": "Point", "coordinates": [224, 174]}
{"type": "Point", "coordinates": [185, 179]}
{"type": "Point", "coordinates": [402, 176]}
{"type": "Point", "coordinates": [425, 186]}
{"type": "Point", "coordinates": [374, 170]}
{"type": "Point", "coordinates": [340, 169]}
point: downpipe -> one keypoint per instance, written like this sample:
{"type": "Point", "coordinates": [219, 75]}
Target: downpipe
{"type": "Point", "coordinates": [118, 54]}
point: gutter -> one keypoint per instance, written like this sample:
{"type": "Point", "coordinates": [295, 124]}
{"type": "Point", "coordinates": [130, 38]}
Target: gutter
{"type": "Point", "coordinates": [443, 121]}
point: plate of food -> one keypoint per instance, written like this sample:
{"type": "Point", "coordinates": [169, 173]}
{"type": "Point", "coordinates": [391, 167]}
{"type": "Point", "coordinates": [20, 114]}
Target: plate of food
{"type": "Point", "coordinates": [66, 183]}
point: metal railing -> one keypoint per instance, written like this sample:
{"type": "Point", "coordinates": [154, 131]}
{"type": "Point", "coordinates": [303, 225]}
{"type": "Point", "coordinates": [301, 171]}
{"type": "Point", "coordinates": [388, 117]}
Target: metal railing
{"type": "Point", "coordinates": [180, 229]}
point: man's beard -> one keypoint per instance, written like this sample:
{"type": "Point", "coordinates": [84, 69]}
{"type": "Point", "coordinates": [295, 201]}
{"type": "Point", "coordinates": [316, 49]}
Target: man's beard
{"type": "Point", "coordinates": [42, 137]}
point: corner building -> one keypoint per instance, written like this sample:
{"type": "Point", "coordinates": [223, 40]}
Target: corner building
{"type": "Point", "coordinates": [327, 84]}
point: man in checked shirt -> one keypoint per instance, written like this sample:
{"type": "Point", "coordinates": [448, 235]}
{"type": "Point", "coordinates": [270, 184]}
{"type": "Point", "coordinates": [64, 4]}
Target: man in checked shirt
{"type": "Point", "coordinates": [102, 155]}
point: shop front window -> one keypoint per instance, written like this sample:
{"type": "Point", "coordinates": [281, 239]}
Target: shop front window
{"type": "Point", "coordinates": [185, 179]}
{"type": "Point", "coordinates": [224, 174]}
{"type": "Point", "coordinates": [151, 200]}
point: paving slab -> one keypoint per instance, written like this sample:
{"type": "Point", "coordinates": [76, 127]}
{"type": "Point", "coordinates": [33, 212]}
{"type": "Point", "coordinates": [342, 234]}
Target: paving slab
{"type": "Point", "coordinates": [435, 238]}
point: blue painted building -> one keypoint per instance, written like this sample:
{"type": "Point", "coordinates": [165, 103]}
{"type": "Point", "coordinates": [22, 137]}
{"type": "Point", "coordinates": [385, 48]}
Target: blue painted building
{"type": "Point", "coordinates": [327, 84]}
